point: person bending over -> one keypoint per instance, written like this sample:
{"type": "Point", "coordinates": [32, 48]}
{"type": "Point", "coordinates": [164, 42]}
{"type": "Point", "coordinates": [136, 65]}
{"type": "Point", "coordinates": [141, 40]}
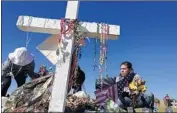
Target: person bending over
{"type": "Point", "coordinates": [18, 65]}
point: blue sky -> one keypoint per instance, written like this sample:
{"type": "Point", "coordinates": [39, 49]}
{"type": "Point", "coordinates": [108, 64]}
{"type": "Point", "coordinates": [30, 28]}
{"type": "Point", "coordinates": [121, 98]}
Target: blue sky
{"type": "Point", "coordinates": [148, 38]}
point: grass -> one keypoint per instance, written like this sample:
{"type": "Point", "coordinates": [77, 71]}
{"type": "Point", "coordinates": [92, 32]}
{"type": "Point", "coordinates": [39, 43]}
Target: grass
{"type": "Point", "coordinates": [162, 107]}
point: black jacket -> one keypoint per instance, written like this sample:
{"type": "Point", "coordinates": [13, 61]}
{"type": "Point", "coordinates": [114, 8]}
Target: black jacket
{"type": "Point", "coordinates": [123, 83]}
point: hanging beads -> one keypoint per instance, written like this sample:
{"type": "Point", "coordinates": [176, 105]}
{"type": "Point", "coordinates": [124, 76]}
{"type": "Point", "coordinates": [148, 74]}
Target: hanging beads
{"type": "Point", "coordinates": [95, 48]}
{"type": "Point", "coordinates": [103, 52]}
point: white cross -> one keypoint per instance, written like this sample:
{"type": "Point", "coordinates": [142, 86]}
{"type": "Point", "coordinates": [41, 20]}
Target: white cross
{"type": "Point", "coordinates": [49, 46]}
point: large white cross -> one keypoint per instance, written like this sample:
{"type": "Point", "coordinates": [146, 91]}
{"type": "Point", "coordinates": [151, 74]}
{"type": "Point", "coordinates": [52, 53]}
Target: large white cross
{"type": "Point", "coordinates": [49, 46]}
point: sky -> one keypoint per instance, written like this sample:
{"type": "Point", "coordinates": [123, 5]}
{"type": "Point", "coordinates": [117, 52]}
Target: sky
{"type": "Point", "coordinates": [148, 39]}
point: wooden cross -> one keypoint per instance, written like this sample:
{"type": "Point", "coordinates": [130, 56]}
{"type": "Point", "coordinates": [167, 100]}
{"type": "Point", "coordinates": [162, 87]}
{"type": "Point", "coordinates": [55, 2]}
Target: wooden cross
{"type": "Point", "coordinates": [49, 46]}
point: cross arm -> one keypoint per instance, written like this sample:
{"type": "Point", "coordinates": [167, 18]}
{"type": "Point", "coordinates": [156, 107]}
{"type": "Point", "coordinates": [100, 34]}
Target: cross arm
{"type": "Point", "coordinates": [52, 26]}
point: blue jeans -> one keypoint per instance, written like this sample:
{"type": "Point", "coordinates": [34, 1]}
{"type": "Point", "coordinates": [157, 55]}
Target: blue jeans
{"type": "Point", "coordinates": [143, 100]}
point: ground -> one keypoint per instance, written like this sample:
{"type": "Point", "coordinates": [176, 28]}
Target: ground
{"type": "Point", "coordinates": [161, 108]}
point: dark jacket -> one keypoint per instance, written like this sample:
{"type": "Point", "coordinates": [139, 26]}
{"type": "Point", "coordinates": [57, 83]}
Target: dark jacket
{"type": "Point", "coordinates": [8, 67]}
{"type": "Point", "coordinates": [78, 80]}
{"type": "Point", "coordinates": [123, 83]}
